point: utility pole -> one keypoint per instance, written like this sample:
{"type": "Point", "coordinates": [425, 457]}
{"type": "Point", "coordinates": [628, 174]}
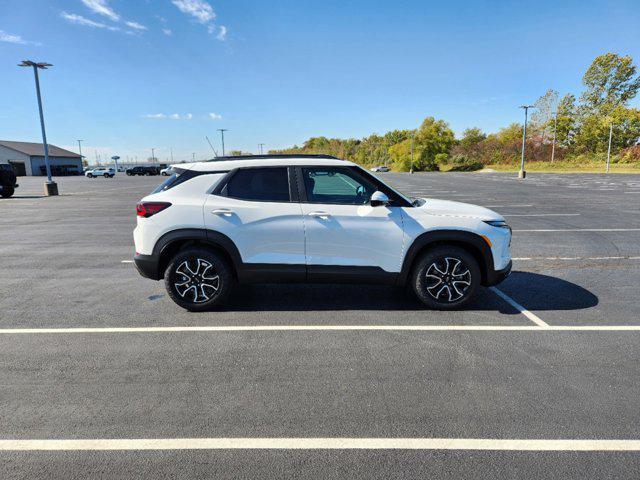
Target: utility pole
{"type": "Point", "coordinates": [555, 131]}
{"type": "Point", "coordinates": [522, 173]}
{"type": "Point", "coordinates": [193, 156]}
{"type": "Point", "coordinates": [609, 149]}
{"type": "Point", "coordinates": [261, 145]}
{"type": "Point", "coordinates": [80, 150]}
{"type": "Point", "coordinates": [50, 187]}
{"type": "Point", "coordinates": [171, 154]}
{"type": "Point", "coordinates": [153, 155]}
{"type": "Point", "coordinates": [222, 130]}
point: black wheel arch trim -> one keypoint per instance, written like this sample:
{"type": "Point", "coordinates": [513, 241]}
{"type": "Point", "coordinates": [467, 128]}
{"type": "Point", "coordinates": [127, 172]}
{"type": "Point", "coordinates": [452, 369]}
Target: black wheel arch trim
{"type": "Point", "coordinates": [473, 242]}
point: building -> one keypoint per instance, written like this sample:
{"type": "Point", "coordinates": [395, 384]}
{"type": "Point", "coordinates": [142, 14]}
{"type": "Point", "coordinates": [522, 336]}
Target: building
{"type": "Point", "coordinates": [27, 158]}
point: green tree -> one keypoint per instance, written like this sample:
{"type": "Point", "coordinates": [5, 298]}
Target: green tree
{"type": "Point", "coordinates": [567, 120]}
{"type": "Point", "coordinates": [610, 81]}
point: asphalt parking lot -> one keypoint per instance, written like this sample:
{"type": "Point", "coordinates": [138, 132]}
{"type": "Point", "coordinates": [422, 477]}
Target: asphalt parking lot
{"type": "Point", "coordinates": [535, 380]}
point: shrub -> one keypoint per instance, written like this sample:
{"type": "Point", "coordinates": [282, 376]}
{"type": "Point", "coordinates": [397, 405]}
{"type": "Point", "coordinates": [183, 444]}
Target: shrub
{"type": "Point", "coordinates": [462, 163]}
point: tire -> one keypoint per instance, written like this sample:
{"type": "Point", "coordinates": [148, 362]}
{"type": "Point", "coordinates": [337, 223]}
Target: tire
{"type": "Point", "coordinates": [7, 191]}
{"type": "Point", "coordinates": [90, 175]}
{"type": "Point", "coordinates": [183, 279]}
{"type": "Point", "coordinates": [446, 278]}
{"type": "Point", "coordinates": [106, 175]}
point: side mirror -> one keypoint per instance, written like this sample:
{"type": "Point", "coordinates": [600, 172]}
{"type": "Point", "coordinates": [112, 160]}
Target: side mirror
{"type": "Point", "coordinates": [379, 199]}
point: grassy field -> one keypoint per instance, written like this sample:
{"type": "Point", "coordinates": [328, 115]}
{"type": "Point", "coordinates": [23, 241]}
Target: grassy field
{"type": "Point", "coordinates": [569, 167]}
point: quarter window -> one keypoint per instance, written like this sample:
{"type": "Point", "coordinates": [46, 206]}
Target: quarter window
{"type": "Point", "coordinates": [260, 184]}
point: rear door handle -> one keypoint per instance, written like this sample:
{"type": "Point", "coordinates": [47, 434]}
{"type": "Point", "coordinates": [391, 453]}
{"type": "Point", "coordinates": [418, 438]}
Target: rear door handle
{"type": "Point", "coordinates": [222, 211]}
{"type": "Point", "coordinates": [322, 215]}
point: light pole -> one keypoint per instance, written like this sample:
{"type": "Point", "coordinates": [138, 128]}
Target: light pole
{"type": "Point", "coordinates": [153, 155]}
{"type": "Point", "coordinates": [50, 187]}
{"type": "Point", "coordinates": [261, 150]}
{"type": "Point", "coordinates": [80, 150]}
{"type": "Point", "coordinates": [222, 130]}
{"type": "Point", "coordinates": [522, 173]}
{"type": "Point", "coordinates": [413, 136]}
{"type": "Point", "coordinates": [609, 149]}
{"type": "Point", "coordinates": [193, 156]}
{"type": "Point", "coordinates": [555, 132]}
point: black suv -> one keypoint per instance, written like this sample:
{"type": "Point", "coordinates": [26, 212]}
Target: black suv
{"type": "Point", "coordinates": [8, 183]}
{"type": "Point", "coordinates": [143, 171]}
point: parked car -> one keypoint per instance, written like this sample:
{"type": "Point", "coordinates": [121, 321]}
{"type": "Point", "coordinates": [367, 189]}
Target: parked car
{"type": "Point", "coordinates": [106, 172]}
{"type": "Point", "coordinates": [8, 179]}
{"type": "Point", "coordinates": [165, 172]}
{"type": "Point", "coordinates": [143, 171]}
{"type": "Point", "coordinates": [311, 219]}
{"type": "Point", "coordinates": [382, 168]}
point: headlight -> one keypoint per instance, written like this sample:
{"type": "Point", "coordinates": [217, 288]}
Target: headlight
{"type": "Point", "coordinates": [497, 223]}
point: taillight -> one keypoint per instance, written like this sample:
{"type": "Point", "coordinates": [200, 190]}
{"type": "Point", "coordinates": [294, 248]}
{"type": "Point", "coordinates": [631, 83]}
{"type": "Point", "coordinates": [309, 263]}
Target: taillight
{"type": "Point", "coordinates": [146, 209]}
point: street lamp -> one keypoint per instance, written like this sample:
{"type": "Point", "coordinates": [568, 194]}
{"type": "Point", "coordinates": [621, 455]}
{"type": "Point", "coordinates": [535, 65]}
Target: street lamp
{"type": "Point", "coordinates": [522, 173]}
{"type": "Point", "coordinates": [50, 187]}
{"type": "Point", "coordinates": [261, 150]}
{"type": "Point", "coordinates": [80, 150]}
{"type": "Point", "coordinates": [222, 130]}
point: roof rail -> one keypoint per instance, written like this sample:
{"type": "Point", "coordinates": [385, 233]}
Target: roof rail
{"type": "Point", "coordinates": [275, 155]}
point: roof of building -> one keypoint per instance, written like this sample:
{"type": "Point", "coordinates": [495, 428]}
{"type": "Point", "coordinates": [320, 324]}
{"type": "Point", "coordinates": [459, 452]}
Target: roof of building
{"type": "Point", "coordinates": [37, 149]}
{"type": "Point", "coordinates": [261, 161]}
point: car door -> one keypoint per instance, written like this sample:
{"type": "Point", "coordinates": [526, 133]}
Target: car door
{"type": "Point", "coordinates": [342, 228]}
{"type": "Point", "coordinates": [257, 208]}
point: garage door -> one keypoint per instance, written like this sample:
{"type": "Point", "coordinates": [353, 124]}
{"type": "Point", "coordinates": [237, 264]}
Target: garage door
{"type": "Point", "coordinates": [19, 168]}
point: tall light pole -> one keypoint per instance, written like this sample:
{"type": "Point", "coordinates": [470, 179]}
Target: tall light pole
{"type": "Point", "coordinates": [153, 155]}
{"type": "Point", "coordinates": [222, 130]}
{"type": "Point", "coordinates": [555, 132]}
{"type": "Point", "coordinates": [171, 154]}
{"type": "Point", "coordinates": [50, 187]}
{"type": "Point", "coordinates": [522, 173]}
{"type": "Point", "coordinates": [193, 156]}
{"type": "Point", "coordinates": [80, 150]}
{"type": "Point", "coordinates": [609, 149]}
{"type": "Point", "coordinates": [261, 145]}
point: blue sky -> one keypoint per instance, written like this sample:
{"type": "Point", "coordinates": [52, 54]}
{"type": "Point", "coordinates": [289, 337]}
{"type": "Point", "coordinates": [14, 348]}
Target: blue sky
{"type": "Point", "coordinates": [129, 75]}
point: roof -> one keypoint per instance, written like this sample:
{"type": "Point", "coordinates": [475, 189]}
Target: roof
{"type": "Point", "coordinates": [272, 156]}
{"type": "Point", "coordinates": [37, 149]}
{"type": "Point", "coordinates": [262, 161]}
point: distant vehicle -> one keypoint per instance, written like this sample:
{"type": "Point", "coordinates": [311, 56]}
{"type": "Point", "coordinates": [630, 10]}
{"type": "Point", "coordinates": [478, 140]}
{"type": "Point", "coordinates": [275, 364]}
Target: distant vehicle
{"type": "Point", "coordinates": [121, 169]}
{"type": "Point", "coordinates": [165, 172]}
{"type": "Point", "coordinates": [8, 183]}
{"type": "Point", "coordinates": [143, 171]}
{"type": "Point", "coordinates": [106, 172]}
{"type": "Point", "coordinates": [381, 168]}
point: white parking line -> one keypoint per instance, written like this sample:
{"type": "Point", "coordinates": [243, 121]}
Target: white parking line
{"type": "Point", "coordinates": [505, 206]}
{"type": "Point", "coordinates": [321, 328]}
{"type": "Point", "coordinates": [126, 261]}
{"type": "Point", "coordinates": [582, 230]}
{"type": "Point", "coordinates": [332, 443]}
{"type": "Point", "coordinates": [574, 258]}
{"type": "Point", "coordinates": [534, 318]}
{"type": "Point", "coordinates": [541, 214]}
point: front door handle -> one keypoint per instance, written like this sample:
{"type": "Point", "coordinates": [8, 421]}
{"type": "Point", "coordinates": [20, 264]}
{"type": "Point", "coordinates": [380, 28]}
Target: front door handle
{"type": "Point", "coordinates": [222, 211]}
{"type": "Point", "coordinates": [322, 215]}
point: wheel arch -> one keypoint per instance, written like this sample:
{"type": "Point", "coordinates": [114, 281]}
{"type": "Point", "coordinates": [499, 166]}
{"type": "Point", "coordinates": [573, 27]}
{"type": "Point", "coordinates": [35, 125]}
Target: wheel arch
{"type": "Point", "coordinates": [171, 243]}
{"type": "Point", "coordinates": [471, 242]}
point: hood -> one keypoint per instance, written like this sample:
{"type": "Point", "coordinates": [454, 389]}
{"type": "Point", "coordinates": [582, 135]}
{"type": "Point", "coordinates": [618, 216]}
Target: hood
{"type": "Point", "coordinates": [458, 209]}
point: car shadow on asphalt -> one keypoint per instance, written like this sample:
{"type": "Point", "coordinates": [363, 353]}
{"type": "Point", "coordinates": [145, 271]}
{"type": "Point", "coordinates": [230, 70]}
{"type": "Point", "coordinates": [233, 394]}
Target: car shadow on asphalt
{"type": "Point", "coordinates": [533, 290]}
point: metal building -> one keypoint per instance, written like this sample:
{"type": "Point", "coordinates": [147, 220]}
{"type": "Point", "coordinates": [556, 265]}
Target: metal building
{"type": "Point", "coordinates": [27, 158]}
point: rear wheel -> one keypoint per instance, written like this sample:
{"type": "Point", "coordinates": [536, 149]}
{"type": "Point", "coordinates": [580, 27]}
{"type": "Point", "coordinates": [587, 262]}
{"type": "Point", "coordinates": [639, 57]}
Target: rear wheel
{"type": "Point", "coordinates": [446, 278]}
{"type": "Point", "coordinates": [7, 191]}
{"type": "Point", "coordinates": [198, 279]}
{"type": "Point", "coordinates": [89, 175]}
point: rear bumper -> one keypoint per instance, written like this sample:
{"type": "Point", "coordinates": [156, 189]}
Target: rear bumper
{"type": "Point", "coordinates": [494, 277]}
{"type": "Point", "coordinates": [147, 266]}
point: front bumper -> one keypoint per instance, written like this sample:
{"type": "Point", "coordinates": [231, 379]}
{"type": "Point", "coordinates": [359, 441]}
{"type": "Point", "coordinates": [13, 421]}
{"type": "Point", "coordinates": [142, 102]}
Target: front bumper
{"type": "Point", "coordinates": [147, 266]}
{"type": "Point", "coordinates": [494, 277]}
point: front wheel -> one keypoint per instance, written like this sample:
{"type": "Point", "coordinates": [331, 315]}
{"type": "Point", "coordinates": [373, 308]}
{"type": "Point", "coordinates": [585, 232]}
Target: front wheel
{"type": "Point", "coordinates": [198, 279]}
{"type": "Point", "coordinates": [7, 191]}
{"type": "Point", "coordinates": [446, 278]}
{"type": "Point", "coordinates": [89, 175]}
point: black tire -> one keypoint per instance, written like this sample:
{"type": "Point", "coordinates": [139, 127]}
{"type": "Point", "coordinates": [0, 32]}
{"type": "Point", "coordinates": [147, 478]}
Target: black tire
{"type": "Point", "coordinates": [106, 175]}
{"type": "Point", "coordinates": [184, 277]}
{"type": "Point", "coordinates": [90, 175]}
{"type": "Point", "coordinates": [7, 191]}
{"type": "Point", "coordinates": [446, 278]}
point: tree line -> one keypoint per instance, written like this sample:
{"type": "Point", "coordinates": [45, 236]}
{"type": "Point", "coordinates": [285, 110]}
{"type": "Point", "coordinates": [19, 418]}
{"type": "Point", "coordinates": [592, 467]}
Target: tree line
{"type": "Point", "coordinates": [566, 128]}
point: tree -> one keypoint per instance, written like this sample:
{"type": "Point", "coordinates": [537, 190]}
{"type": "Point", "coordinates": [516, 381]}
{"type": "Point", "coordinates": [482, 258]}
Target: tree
{"type": "Point", "coordinates": [433, 137]}
{"type": "Point", "coordinates": [610, 82]}
{"type": "Point", "coordinates": [566, 127]}
{"type": "Point", "coordinates": [543, 115]}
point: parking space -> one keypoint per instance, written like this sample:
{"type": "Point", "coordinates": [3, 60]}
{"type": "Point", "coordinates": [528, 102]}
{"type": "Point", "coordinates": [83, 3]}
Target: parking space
{"type": "Point", "coordinates": [374, 363]}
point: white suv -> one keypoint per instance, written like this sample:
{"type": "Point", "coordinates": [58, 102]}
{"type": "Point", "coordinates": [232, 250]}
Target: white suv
{"type": "Point", "coordinates": [316, 219]}
{"type": "Point", "coordinates": [106, 172]}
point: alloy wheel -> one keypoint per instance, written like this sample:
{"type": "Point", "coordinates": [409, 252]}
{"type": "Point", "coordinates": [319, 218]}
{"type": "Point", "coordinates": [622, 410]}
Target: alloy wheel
{"type": "Point", "coordinates": [198, 280]}
{"type": "Point", "coordinates": [447, 279]}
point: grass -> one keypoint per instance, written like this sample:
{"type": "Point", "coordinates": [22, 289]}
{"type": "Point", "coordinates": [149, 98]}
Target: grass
{"type": "Point", "coordinates": [569, 167]}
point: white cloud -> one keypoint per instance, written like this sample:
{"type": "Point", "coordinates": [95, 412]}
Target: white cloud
{"type": "Point", "coordinates": [164, 116]}
{"type": "Point", "coordinates": [222, 33]}
{"type": "Point", "coordinates": [17, 39]}
{"type": "Point", "coordinates": [188, 116]}
{"type": "Point", "coordinates": [167, 32]}
{"type": "Point", "coordinates": [155, 115]}
{"type": "Point", "coordinates": [101, 7]}
{"type": "Point", "coordinates": [199, 9]}
{"type": "Point", "coordinates": [135, 26]}
{"type": "Point", "coordinates": [215, 116]}
{"type": "Point", "coordinates": [80, 20]}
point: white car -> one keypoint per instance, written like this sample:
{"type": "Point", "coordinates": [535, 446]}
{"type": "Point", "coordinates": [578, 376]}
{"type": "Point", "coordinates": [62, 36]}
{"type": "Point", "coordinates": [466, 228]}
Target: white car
{"type": "Point", "coordinates": [165, 172]}
{"type": "Point", "coordinates": [106, 172]}
{"type": "Point", "coordinates": [315, 219]}
{"type": "Point", "coordinates": [382, 168]}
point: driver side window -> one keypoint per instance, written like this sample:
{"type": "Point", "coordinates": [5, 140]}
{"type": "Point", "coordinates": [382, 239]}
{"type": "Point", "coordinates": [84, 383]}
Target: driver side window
{"type": "Point", "coordinates": [336, 185]}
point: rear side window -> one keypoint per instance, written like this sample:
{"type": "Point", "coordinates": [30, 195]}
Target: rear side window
{"type": "Point", "coordinates": [178, 177]}
{"type": "Point", "coordinates": [260, 184]}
